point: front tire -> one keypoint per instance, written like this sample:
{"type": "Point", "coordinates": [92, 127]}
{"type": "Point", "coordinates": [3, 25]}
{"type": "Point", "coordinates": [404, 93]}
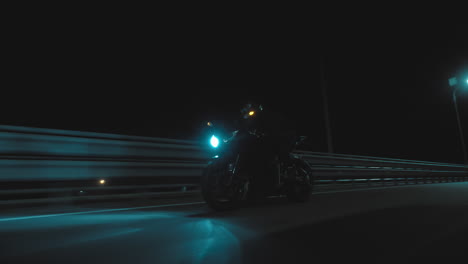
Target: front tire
{"type": "Point", "coordinates": [217, 195]}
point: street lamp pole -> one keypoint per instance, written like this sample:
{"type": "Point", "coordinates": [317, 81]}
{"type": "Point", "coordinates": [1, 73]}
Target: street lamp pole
{"type": "Point", "coordinates": [323, 84]}
{"type": "Point", "coordinates": [454, 96]}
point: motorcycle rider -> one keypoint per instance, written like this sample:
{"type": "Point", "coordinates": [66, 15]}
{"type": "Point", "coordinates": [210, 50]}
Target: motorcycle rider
{"type": "Point", "coordinates": [274, 126]}
{"type": "Point", "coordinates": [278, 138]}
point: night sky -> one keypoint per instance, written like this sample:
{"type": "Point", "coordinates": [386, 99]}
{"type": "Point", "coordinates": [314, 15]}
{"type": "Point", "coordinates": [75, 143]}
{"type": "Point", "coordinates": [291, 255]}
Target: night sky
{"type": "Point", "coordinates": [387, 82]}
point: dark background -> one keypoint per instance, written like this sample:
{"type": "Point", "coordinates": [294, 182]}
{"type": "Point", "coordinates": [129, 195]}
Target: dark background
{"type": "Point", "coordinates": [165, 76]}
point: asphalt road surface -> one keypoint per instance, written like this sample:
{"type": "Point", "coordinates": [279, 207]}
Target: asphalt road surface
{"type": "Point", "coordinates": [404, 224]}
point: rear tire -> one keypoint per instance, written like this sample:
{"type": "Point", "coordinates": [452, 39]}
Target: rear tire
{"type": "Point", "coordinates": [300, 187]}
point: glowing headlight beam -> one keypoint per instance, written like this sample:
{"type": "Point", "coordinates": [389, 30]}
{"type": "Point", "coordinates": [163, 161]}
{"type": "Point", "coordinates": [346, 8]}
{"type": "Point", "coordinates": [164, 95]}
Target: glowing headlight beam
{"type": "Point", "coordinates": [214, 141]}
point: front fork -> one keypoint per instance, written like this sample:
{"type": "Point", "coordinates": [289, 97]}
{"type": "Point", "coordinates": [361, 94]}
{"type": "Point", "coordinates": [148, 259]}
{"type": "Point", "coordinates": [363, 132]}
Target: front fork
{"type": "Point", "coordinates": [236, 189]}
{"type": "Point", "coordinates": [232, 169]}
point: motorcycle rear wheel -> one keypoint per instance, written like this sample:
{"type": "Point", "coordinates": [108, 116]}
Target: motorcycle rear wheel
{"type": "Point", "coordinates": [300, 187]}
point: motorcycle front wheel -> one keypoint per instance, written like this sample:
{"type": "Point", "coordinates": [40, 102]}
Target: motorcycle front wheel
{"type": "Point", "coordinates": [220, 189]}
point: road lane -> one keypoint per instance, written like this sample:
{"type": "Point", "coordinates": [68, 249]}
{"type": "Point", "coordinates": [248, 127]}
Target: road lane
{"type": "Point", "coordinates": [372, 226]}
{"type": "Point", "coordinates": [34, 211]}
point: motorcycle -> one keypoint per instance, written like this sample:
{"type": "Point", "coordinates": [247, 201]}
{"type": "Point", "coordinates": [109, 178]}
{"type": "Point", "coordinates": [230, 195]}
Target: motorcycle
{"type": "Point", "coordinates": [244, 169]}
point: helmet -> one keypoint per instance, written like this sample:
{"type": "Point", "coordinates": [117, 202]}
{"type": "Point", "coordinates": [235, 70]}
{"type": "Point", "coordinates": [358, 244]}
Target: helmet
{"type": "Point", "coordinates": [250, 110]}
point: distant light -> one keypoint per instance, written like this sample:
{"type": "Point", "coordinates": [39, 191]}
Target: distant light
{"type": "Point", "coordinates": [102, 181]}
{"type": "Point", "coordinates": [214, 141]}
{"type": "Point", "coordinates": [209, 124]}
{"type": "Point", "coordinates": [251, 113]}
{"type": "Point", "coordinates": [466, 81]}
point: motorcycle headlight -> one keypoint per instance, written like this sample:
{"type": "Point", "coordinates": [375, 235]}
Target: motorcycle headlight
{"type": "Point", "coordinates": [214, 141]}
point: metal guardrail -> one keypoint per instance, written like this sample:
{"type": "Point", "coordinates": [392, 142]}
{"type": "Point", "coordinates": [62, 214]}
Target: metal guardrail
{"type": "Point", "coordinates": [338, 168]}
{"type": "Point", "coordinates": [36, 142]}
{"type": "Point", "coordinates": [55, 165]}
{"type": "Point", "coordinates": [344, 160]}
